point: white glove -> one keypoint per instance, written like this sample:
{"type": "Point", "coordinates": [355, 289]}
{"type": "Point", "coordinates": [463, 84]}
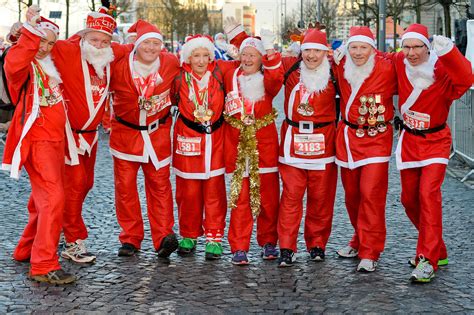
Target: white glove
{"type": "Point", "coordinates": [233, 52]}
{"type": "Point", "coordinates": [33, 15]}
{"type": "Point", "coordinates": [339, 53]}
{"type": "Point", "coordinates": [232, 28]}
{"type": "Point", "coordinates": [268, 38]}
{"type": "Point", "coordinates": [442, 45]}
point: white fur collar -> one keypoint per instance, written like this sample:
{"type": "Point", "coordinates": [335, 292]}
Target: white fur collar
{"type": "Point", "coordinates": [98, 58]}
{"type": "Point", "coordinates": [49, 68]}
{"type": "Point", "coordinates": [203, 82]}
{"type": "Point", "coordinates": [315, 80]}
{"type": "Point", "coordinates": [252, 87]}
{"type": "Point", "coordinates": [422, 76]}
{"type": "Point", "coordinates": [145, 70]}
{"type": "Point", "coordinates": [356, 75]}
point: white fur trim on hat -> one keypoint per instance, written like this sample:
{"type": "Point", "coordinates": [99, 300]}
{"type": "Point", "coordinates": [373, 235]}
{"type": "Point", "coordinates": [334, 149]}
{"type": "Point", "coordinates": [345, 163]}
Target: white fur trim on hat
{"type": "Point", "coordinates": [148, 36]}
{"type": "Point", "coordinates": [415, 35]}
{"type": "Point", "coordinates": [255, 43]}
{"type": "Point", "coordinates": [313, 46]}
{"type": "Point", "coordinates": [361, 38]}
{"type": "Point", "coordinates": [199, 42]}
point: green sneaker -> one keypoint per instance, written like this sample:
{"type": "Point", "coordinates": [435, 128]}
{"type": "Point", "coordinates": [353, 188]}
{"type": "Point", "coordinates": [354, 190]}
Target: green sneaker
{"type": "Point", "coordinates": [423, 272]}
{"type": "Point", "coordinates": [187, 246]}
{"type": "Point", "coordinates": [213, 250]}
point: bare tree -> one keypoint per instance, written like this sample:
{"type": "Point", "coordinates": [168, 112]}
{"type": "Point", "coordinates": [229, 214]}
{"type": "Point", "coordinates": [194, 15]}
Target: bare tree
{"type": "Point", "coordinates": [24, 3]}
{"type": "Point", "coordinates": [67, 17]}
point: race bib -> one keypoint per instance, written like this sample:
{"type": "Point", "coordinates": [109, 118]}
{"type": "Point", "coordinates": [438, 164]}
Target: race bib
{"type": "Point", "coordinates": [416, 120]}
{"type": "Point", "coordinates": [158, 103]}
{"type": "Point", "coordinates": [233, 103]}
{"type": "Point", "coordinates": [309, 144]}
{"type": "Point", "coordinates": [188, 146]}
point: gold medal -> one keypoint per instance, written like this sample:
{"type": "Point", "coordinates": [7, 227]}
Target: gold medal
{"type": "Point", "coordinates": [200, 114]}
{"type": "Point", "coordinates": [363, 110]}
{"type": "Point", "coordinates": [381, 109]}
{"type": "Point", "coordinates": [248, 119]}
{"type": "Point", "coordinates": [361, 120]}
{"type": "Point", "coordinates": [360, 133]}
{"type": "Point", "coordinates": [371, 120]}
{"type": "Point", "coordinates": [363, 99]}
{"type": "Point", "coordinates": [382, 127]}
{"type": "Point", "coordinates": [304, 109]}
{"type": "Point", "coordinates": [208, 115]}
{"type": "Point", "coordinates": [372, 110]}
{"type": "Point", "coordinates": [372, 131]}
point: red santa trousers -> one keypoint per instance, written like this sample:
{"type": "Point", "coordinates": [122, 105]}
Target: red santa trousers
{"type": "Point", "coordinates": [196, 197]}
{"type": "Point", "coordinates": [421, 197]}
{"type": "Point", "coordinates": [40, 239]}
{"type": "Point", "coordinates": [365, 195]}
{"type": "Point", "coordinates": [321, 192]}
{"type": "Point", "coordinates": [159, 199]}
{"type": "Point", "coordinates": [80, 179]}
{"type": "Point", "coordinates": [241, 220]}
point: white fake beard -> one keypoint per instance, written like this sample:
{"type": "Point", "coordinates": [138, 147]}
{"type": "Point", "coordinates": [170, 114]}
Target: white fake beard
{"type": "Point", "coordinates": [315, 80]}
{"type": "Point", "coordinates": [145, 70]}
{"type": "Point", "coordinates": [422, 76]}
{"type": "Point", "coordinates": [221, 44]}
{"type": "Point", "coordinates": [356, 75]}
{"type": "Point", "coordinates": [49, 68]}
{"type": "Point", "coordinates": [98, 58]}
{"type": "Point", "coordinates": [252, 87]}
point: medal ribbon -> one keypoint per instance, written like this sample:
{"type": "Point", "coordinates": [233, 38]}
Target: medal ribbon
{"type": "Point", "coordinates": [41, 78]}
{"type": "Point", "coordinates": [145, 86]}
{"type": "Point", "coordinates": [198, 101]}
{"type": "Point", "coordinates": [249, 106]}
{"type": "Point", "coordinates": [304, 94]}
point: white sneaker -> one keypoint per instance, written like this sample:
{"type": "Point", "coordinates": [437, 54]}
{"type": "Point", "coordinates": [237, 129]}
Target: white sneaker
{"type": "Point", "coordinates": [423, 272]}
{"type": "Point", "coordinates": [367, 265]}
{"type": "Point", "coordinates": [77, 252]}
{"type": "Point", "coordinates": [348, 252]}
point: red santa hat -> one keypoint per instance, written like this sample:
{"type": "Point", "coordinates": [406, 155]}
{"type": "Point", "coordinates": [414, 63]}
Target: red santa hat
{"type": "Point", "coordinates": [361, 34]}
{"type": "Point", "coordinates": [314, 39]}
{"type": "Point", "coordinates": [45, 24]}
{"type": "Point", "coordinates": [197, 41]}
{"type": "Point", "coordinates": [145, 31]}
{"type": "Point", "coordinates": [417, 31]}
{"type": "Point", "coordinates": [99, 22]}
{"type": "Point", "coordinates": [254, 42]}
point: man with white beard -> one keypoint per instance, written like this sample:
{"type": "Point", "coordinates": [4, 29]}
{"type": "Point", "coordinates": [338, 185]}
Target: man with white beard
{"type": "Point", "coordinates": [428, 82]}
{"type": "Point", "coordinates": [36, 141]}
{"type": "Point", "coordinates": [221, 47]}
{"type": "Point", "coordinates": [140, 138]}
{"type": "Point", "coordinates": [364, 139]}
{"type": "Point", "coordinates": [307, 150]}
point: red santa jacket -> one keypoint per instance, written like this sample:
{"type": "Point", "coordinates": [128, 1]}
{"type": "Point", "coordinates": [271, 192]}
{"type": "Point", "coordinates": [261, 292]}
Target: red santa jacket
{"type": "Point", "coordinates": [135, 145]}
{"type": "Point", "coordinates": [310, 149]}
{"type": "Point", "coordinates": [429, 108]}
{"type": "Point", "coordinates": [200, 155]}
{"type": "Point", "coordinates": [32, 122]}
{"type": "Point", "coordinates": [352, 151]}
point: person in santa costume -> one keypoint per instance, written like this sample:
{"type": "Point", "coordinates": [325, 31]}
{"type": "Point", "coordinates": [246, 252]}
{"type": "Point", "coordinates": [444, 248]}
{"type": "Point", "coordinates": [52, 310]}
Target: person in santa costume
{"type": "Point", "coordinates": [364, 138]}
{"type": "Point", "coordinates": [198, 154]}
{"type": "Point", "coordinates": [251, 142]}
{"type": "Point", "coordinates": [36, 141]}
{"type": "Point", "coordinates": [307, 150]}
{"type": "Point", "coordinates": [430, 77]}
{"type": "Point", "coordinates": [140, 138]}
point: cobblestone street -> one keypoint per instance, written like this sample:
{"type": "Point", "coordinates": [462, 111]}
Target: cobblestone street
{"type": "Point", "coordinates": [146, 283]}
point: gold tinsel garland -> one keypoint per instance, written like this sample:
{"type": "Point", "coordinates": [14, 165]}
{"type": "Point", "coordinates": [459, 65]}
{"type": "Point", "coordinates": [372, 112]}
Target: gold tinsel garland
{"type": "Point", "coordinates": [247, 150]}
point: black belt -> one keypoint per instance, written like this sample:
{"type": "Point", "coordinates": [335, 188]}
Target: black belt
{"type": "Point", "coordinates": [200, 127]}
{"type": "Point", "coordinates": [83, 131]}
{"type": "Point", "coordinates": [151, 127]}
{"type": "Point", "coordinates": [307, 123]}
{"type": "Point", "coordinates": [354, 126]}
{"type": "Point", "coordinates": [399, 125]}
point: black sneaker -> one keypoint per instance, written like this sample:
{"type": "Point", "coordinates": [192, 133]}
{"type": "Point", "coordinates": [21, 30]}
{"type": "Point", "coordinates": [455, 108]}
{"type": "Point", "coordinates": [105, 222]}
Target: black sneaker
{"type": "Point", "coordinates": [127, 250]}
{"type": "Point", "coordinates": [54, 277]}
{"type": "Point", "coordinates": [316, 254]}
{"type": "Point", "coordinates": [168, 245]}
{"type": "Point", "coordinates": [286, 258]}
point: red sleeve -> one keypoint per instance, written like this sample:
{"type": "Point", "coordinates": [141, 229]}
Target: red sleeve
{"type": "Point", "coordinates": [237, 40]}
{"type": "Point", "coordinates": [121, 50]}
{"type": "Point", "coordinates": [272, 74]}
{"type": "Point", "coordinates": [227, 65]}
{"type": "Point", "coordinates": [18, 61]}
{"type": "Point", "coordinates": [459, 73]}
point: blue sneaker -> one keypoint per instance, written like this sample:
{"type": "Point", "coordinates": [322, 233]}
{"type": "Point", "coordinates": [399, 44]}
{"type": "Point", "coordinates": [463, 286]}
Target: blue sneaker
{"type": "Point", "coordinates": [240, 258]}
{"type": "Point", "coordinates": [269, 252]}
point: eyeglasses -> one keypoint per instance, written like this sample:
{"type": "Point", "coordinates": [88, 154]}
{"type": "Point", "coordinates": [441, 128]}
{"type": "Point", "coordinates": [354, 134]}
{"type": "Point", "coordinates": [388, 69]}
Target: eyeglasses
{"type": "Point", "coordinates": [415, 48]}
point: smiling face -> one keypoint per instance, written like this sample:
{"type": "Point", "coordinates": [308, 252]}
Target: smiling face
{"type": "Point", "coordinates": [250, 60]}
{"type": "Point", "coordinates": [98, 39]}
{"type": "Point", "coordinates": [148, 50]}
{"type": "Point", "coordinates": [415, 51]}
{"type": "Point", "coordinates": [312, 58]}
{"type": "Point", "coordinates": [46, 44]}
{"type": "Point", "coordinates": [360, 52]}
{"type": "Point", "coordinates": [199, 60]}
